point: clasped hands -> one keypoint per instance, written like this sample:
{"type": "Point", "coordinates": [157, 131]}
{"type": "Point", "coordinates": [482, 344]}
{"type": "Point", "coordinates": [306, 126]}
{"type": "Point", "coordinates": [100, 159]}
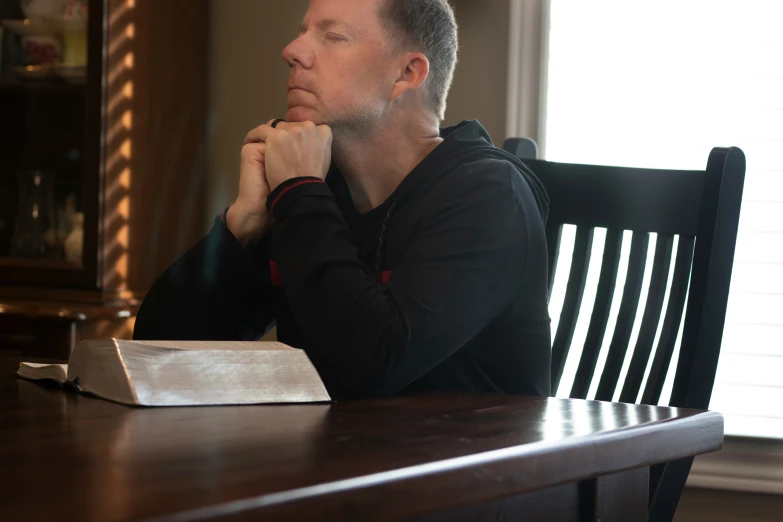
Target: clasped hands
{"type": "Point", "coordinates": [270, 156]}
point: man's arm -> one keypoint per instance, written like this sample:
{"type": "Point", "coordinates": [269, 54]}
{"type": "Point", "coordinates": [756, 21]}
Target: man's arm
{"type": "Point", "coordinates": [460, 271]}
{"type": "Point", "coordinates": [220, 289]}
{"type": "Point", "coordinates": [216, 291]}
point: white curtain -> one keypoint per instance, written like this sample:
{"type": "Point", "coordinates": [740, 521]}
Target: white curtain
{"type": "Point", "coordinates": [527, 54]}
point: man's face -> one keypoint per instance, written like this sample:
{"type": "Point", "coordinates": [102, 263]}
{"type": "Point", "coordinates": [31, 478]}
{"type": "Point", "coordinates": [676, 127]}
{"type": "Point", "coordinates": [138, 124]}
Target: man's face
{"type": "Point", "coordinates": [341, 72]}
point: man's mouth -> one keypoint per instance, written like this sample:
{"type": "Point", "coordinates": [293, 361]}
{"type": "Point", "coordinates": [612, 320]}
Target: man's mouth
{"type": "Point", "coordinates": [297, 88]}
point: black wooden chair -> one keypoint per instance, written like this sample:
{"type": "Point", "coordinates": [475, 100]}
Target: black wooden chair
{"type": "Point", "coordinates": [702, 208]}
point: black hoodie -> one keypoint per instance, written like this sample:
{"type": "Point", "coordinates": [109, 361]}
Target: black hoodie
{"type": "Point", "coordinates": [442, 287]}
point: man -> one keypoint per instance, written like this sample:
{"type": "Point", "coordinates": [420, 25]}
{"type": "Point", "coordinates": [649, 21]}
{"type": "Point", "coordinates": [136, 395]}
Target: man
{"type": "Point", "coordinates": [416, 262]}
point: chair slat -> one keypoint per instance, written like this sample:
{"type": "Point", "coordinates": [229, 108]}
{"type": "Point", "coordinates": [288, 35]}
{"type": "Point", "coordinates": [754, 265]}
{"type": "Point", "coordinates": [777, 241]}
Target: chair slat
{"type": "Point", "coordinates": [652, 316]}
{"type": "Point", "coordinates": [577, 277]}
{"type": "Point", "coordinates": [553, 234]}
{"type": "Point", "coordinates": [671, 322]}
{"type": "Point", "coordinates": [625, 317]}
{"type": "Point", "coordinates": [600, 316]}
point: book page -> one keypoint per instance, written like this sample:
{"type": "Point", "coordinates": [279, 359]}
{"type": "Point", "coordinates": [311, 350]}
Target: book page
{"type": "Point", "coordinates": [44, 365]}
{"type": "Point", "coordinates": [210, 377]}
{"type": "Point", "coordinates": [36, 371]}
{"type": "Point", "coordinates": [207, 345]}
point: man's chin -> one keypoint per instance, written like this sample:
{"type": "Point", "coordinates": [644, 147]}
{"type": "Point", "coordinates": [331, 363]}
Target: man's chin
{"type": "Point", "coordinates": [300, 114]}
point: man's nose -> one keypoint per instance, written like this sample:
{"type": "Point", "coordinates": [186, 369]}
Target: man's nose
{"type": "Point", "coordinates": [298, 52]}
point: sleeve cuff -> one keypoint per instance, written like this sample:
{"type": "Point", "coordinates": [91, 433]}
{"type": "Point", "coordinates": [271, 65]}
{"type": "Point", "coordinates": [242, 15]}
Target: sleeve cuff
{"type": "Point", "coordinates": [290, 190]}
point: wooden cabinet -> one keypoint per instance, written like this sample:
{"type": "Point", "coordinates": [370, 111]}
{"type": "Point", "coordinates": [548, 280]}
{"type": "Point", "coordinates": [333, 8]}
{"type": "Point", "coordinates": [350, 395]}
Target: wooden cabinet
{"type": "Point", "coordinates": [121, 150]}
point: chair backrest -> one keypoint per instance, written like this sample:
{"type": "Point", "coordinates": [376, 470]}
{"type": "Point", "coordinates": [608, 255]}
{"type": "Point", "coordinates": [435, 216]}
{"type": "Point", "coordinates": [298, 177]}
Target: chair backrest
{"type": "Point", "coordinates": [522, 148]}
{"type": "Point", "coordinates": [701, 209]}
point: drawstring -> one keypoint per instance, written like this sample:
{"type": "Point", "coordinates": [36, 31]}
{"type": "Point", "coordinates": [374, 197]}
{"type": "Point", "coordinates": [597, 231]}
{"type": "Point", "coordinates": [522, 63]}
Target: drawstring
{"type": "Point", "coordinates": [381, 237]}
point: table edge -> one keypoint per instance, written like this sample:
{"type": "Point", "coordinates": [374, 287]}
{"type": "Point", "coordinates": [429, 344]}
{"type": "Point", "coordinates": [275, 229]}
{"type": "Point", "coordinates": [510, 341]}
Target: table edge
{"type": "Point", "coordinates": [653, 435]}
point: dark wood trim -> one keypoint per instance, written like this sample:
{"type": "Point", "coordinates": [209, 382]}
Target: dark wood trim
{"type": "Point", "coordinates": [53, 336]}
{"type": "Point", "coordinates": [65, 295]}
{"type": "Point", "coordinates": [68, 311]}
{"type": "Point", "coordinates": [95, 133]}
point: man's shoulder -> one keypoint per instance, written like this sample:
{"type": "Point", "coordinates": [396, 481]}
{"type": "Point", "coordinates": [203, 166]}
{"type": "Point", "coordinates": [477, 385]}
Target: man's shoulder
{"type": "Point", "coordinates": [488, 169]}
{"type": "Point", "coordinates": [491, 178]}
{"type": "Point", "coordinates": [483, 174]}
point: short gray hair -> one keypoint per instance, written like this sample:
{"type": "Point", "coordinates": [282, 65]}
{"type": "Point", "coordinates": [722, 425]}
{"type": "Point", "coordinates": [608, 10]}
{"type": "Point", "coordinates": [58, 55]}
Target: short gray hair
{"type": "Point", "coordinates": [429, 27]}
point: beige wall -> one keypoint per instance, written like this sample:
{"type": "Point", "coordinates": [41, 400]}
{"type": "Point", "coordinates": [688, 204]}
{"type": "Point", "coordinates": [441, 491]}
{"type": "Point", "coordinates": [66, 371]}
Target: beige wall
{"type": "Point", "coordinates": [479, 89]}
{"type": "Point", "coordinates": [705, 505]}
{"type": "Point", "coordinates": [248, 76]}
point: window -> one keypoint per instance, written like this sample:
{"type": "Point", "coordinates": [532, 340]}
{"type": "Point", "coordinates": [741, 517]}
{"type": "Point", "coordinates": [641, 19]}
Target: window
{"type": "Point", "coordinates": [658, 84]}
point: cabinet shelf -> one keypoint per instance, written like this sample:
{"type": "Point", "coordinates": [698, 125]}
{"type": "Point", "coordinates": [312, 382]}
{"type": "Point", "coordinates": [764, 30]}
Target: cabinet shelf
{"type": "Point", "coordinates": [42, 87]}
{"type": "Point", "coordinates": [35, 262]}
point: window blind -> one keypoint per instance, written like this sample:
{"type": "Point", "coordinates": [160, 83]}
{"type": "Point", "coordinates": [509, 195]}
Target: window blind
{"type": "Point", "coordinates": [659, 84]}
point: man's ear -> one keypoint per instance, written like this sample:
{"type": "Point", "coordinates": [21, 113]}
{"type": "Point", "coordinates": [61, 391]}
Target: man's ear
{"type": "Point", "coordinates": [416, 68]}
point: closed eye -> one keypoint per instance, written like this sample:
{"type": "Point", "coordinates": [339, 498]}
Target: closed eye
{"type": "Point", "coordinates": [334, 37]}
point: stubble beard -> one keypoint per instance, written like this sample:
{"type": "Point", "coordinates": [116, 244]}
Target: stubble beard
{"type": "Point", "coordinates": [359, 123]}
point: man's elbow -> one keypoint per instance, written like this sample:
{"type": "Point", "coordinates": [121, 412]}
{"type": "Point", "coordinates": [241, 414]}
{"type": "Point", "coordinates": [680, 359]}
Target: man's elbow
{"type": "Point", "coordinates": [372, 373]}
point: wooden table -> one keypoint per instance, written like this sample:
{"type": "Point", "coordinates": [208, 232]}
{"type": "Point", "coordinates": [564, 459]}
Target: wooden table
{"type": "Point", "coordinates": [439, 457]}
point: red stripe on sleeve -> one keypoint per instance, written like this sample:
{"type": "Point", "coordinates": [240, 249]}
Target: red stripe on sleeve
{"type": "Point", "coordinates": [289, 187]}
{"type": "Point", "coordinates": [274, 275]}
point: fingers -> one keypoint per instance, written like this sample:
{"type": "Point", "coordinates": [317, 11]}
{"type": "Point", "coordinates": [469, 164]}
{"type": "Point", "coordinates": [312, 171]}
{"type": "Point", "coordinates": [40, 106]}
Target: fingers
{"type": "Point", "coordinates": [324, 132]}
{"type": "Point", "coordinates": [260, 147]}
{"type": "Point", "coordinates": [288, 125]}
{"type": "Point", "coordinates": [254, 150]}
{"type": "Point", "coordinates": [260, 134]}
{"type": "Point", "coordinates": [263, 132]}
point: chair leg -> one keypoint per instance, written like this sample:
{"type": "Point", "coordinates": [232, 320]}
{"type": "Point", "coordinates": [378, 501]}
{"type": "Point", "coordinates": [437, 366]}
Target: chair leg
{"type": "Point", "coordinates": [669, 490]}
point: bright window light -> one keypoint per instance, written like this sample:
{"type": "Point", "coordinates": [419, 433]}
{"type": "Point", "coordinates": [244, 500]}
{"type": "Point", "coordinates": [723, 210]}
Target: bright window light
{"type": "Point", "coordinates": [659, 84]}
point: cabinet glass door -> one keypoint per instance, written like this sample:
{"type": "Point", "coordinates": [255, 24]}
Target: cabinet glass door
{"type": "Point", "coordinates": [48, 141]}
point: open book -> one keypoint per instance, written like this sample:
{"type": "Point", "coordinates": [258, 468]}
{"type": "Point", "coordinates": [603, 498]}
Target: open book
{"type": "Point", "coordinates": [186, 373]}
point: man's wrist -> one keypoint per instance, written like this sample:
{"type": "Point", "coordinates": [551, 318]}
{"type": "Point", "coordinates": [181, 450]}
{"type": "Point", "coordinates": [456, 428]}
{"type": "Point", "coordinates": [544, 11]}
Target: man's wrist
{"type": "Point", "coordinates": [247, 228]}
{"type": "Point", "coordinates": [278, 193]}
